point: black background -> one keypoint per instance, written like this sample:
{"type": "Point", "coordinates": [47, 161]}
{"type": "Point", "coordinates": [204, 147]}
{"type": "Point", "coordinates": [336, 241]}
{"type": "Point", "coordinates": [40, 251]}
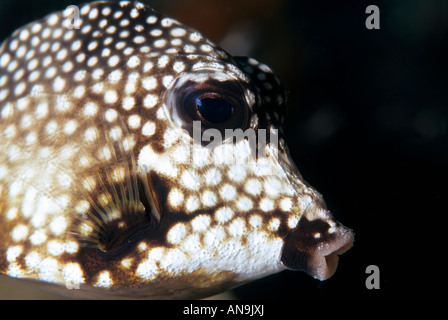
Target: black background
{"type": "Point", "coordinates": [367, 125]}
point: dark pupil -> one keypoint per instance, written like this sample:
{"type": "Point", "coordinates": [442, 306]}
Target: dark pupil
{"type": "Point", "coordinates": [214, 109]}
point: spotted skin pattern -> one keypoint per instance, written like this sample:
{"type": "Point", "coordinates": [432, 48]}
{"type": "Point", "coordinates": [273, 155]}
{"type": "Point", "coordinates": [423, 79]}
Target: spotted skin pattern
{"type": "Point", "coordinates": [103, 185]}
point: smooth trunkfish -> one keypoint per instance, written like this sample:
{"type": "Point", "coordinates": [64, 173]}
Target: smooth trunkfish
{"type": "Point", "coordinates": [140, 160]}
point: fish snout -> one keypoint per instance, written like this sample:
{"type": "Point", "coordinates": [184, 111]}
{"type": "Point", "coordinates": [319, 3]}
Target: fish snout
{"type": "Point", "coordinates": [314, 244]}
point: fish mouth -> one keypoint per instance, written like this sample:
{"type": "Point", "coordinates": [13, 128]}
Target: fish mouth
{"type": "Point", "coordinates": [314, 245]}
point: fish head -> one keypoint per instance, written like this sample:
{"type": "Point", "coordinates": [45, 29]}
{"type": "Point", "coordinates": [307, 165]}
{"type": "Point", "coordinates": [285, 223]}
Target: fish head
{"type": "Point", "coordinates": [144, 161]}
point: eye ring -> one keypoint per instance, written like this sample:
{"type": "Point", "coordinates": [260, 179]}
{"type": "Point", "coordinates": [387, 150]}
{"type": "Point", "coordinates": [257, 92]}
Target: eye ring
{"type": "Point", "coordinates": [182, 99]}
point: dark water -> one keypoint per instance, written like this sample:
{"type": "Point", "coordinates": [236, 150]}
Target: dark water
{"type": "Point", "coordinates": [367, 125]}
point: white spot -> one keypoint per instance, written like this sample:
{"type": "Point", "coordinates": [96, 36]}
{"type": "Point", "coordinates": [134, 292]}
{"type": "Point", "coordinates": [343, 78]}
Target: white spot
{"type": "Point", "coordinates": [139, 39]}
{"type": "Point", "coordinates": [255, 221]}
{"type": "Point", "coordinates": [188, 48]}
{"type": "Point", "coordinates": [71, 247]}
{"type": "Point", "coordinates": [111, 29]}
{"type": "Point", "coordinates": [38, 237]}
{"type": "Point", "coordinates": [134, 121]}
{"type": "Point", "coordinates": [10, 131]}
{"type": "Point", "coordinates": [147, 66]}
{"type": "Point", "coordinates": [191, 204]}
{"type": "Point", "coordinates": [33, 64]}
{"type": "Point", "coordinates": [24, 34]}
{"type": "Point", "coordinates": [228, 192]}
{"type": "Point", "coordinates": [244, 204]}
{"type": "Point", "coordinates": [32, 260]}
{"type": "Point", "coordinates": [93, 14]}
{"type": "Point", "coordinates": [178, 32]}
{"type": "Point", "coordinates": [111, 115]}
{"type": "Point", "coordinates": [106, 11]}
{"type": "Point", "coordinates": [20, 232]}
{"type": "Point", "coordinates": [64, 180]}
{"type": "Point", "coordinates": [167, 22]}
{"type": "Point", "coordinates": [90, 109]}
{"type": "Point", "coordinates": [160, 43]}
{"type": "Point", "coordinates": [266, 204]}
{"type": "Point", "coordinates": [41, 110]}
{"type": "Point", "coordinates": [167, 81]}
{"type": "Point", "coordinates": [97, 74]}
{"type": "Point", "coordinates": [170, 137]}
{"type": "Point", "coordinates": [150, 101]}
{"type": "Point", "coordinates": [4, 60]}
{"type": "Point", "coordinates": [12, 66]}
{"type": "Point", "coordinates": [274, 224]}
{"type": "Point", "coordinates": [149, 83]}
{"type": "Point", "coordinates": [20, 88]}
{"type": "Point", "coordinates": [55, 248]}
{"type": "Point", "coordinates": [67, 67]}
{"type": "Point", "coordinates": [80, 75]}
{"type": "Point", "coordinates": [79, 91]}
{"type": "Point", "coordinates": [128, 103]}
{"type": "Point", "coordinates": [253, 187]}
{"type": "Point", "coordinates": [25, 121]}
{"type": "Point", "coordinates": [63, 103]}
{"type": "Point", "coordinates": [126, 263]}
{"type": "Point", "coordinates": [237, 173]}
{"type": "Point", "coordinates": [292, 222]}
{"type": "Point", "coordinates": [176, 234]}
{"type": "Point", "coordinates": [104, 280]}
{"type": "Point", "coordinates": [223, 214]}
{"type": "Point", "coordinates": [178, 66]}
{"type": "Point", "coordinates": [13, 252]}
{"type": "Point", "coordinates": [76, 45]}
{"type": "Point", "coordinates": [72, 273]}
{"type": "Point", "coordinates": [190, 180]}
{"type": "Point", "coordinates": [81, 57]}
{"type": "Point", "coordinates": [58, 84]}
{"type": "Point", "coordinates": [200, 223]}
{"type": "Point", "coordinates": [195, 36]}
{"type": "Point", "coordinates": [51, 127]}
{"type": "Point", "coordinates": [149, 128]}
{"type": "Point", "coordinates": [14, 271]}
{"type": "Point", "coordinates": [151, 19]}
{"type": "Point", "coordinates": [58, 225]}
{"type": "Point", "coordinates": [208, 198]}
{"type": "Point", "coordinates": [175, 197]}
{"type": "Point", "coordinates": [113, 61]}
{"type": "Point", "coordinates": [133, 62]}
{"type": "Point", "coordinates": [272, 186]}
{"type": "Point", "coordinates": [237, 228]}
{"type": "Point", "coordinates": [114, 76]}
{"type": "Point", "coordinates": [206, 48]}
{"type": "Point", "coordinates": [92, 61]}
{"type": "Point", "coordinates": [130, 86]}
{"type": "Point", "coordinates": [212, 177]}
{"type": "Point", "coordinates": [286, 204]}
{"type": "Point", "coordinates": [110, 96]}
{"type": "Point", "coordinates": [134, 13]}
{"type": "Point", "coordinates": [176, 42]}
{"type": "Point", "coordinates": [163, 61]}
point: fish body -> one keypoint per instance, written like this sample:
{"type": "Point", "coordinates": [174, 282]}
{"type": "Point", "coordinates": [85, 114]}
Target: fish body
{"type": "Point", "coordinates": [140, 160]}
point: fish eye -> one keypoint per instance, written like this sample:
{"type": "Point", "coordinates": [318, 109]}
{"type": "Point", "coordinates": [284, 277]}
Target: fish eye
{"type": "Point", "coordinates": [216, 104]}
{"type": "Point", "coordinates": [213, 108]}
